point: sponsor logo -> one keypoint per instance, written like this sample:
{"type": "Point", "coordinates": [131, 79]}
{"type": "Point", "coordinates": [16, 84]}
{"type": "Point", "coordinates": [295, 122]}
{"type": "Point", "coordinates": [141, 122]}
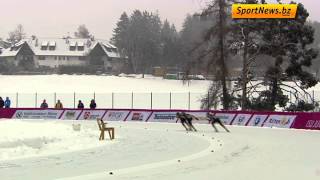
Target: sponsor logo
{"type": "Point", "coordinates": [137, 117]}
{"type": "Point", "coordinates": [241, 119]}
{"type": "Point", "coordinates": [86, 115]}
{"type": "Point", "coordinates": [284, 121]}
{"type": "Point", "coordinates": [313, 124]}
{"type": "Point", "coordinates": [116, 116]}
{"type": "Point", "coordinates": [257, 120]}
{"type": "Point", "coordinates": [70, 114]}
{"type": "Point", "coordinates": [19, 115]}
{"type": "Point", "coordinates": [165, 116]}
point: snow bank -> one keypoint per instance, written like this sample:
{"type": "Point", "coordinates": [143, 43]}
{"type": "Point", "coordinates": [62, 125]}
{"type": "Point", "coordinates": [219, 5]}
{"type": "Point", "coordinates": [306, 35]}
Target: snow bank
{"type": "Point", "coordinates": [21, 139]}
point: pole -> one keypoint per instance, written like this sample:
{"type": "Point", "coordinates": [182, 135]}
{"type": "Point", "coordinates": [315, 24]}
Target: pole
{"type": "Point", "coordinates": [132, 100]}
{"type": "Point", "coordinates": [170, 101]}
{"type": "Point", "coordinates": [74, 100]}
{"type": "Point", "coordinates": [17, 100]}
{"type": "Point", "coordinates": [112, 100]}
{"type": "Point", "coordinates": [36, 100]}
{"type": "Point", "coordinates": [189, 100]}
{"type": "Point", "coordinates": [94, 95]}
{"type": "Point", "coordinates": [208, 101]}
{"type": "Point", "coordinates": [54, 99]}
{"type": "Point", "coordinates": [151, 100]}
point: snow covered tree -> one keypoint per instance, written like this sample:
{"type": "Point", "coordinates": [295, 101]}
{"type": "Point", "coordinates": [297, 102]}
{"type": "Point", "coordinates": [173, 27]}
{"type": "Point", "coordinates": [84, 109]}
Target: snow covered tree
{"type": "Point", "coordinates": [287, 42]}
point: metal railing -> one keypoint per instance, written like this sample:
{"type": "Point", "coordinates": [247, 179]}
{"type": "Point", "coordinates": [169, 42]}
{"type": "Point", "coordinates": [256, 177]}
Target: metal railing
{"type": "Point", "coordinates": [151, 100]}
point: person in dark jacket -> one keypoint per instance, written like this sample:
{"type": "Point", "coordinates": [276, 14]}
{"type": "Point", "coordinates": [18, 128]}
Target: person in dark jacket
{"type": "Point", "coordinates": [213, 120]}
{"type": "Point", "coordinates": [189, 118]}
{"type": "Point", "coordinates": [186, 120]}
{"type": "Point", "coordinates": [80, 105]}
{"type": "Point", "coordinates": [93, 104]}
{"type": "Point", "coordinates": [7, 103]}
{"type": "Point", "coordinates": [44, 104]}
{"type": "Point", "coordinates": [1, 103]}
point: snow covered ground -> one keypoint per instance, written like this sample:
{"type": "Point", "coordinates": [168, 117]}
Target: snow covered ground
{"type": "Point", "coordinates": [84, 87]}
{"type": "Point", "coordinates": [152, 151]}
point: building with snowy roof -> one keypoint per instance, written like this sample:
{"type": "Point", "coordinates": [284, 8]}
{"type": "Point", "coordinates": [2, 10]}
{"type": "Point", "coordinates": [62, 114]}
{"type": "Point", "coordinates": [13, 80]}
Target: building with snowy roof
{"type": "Point", "coordinates": [56, 52]}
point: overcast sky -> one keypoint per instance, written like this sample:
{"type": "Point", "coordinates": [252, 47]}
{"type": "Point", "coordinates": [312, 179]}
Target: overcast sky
{"type": "Point", "coordinates": [55, 18]}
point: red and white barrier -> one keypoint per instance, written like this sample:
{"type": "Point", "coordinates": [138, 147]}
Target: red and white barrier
{"type": "Point", "coordinates": [298, 120]}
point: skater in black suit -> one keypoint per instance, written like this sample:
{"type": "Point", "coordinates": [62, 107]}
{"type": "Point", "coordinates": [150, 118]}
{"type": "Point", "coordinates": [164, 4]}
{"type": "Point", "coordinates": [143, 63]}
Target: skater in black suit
{"type": "Point", "coordinates": [186, 120]}
{"type": "Point", "coordinates": [213, 120]}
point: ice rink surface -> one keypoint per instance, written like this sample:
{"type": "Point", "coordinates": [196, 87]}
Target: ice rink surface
{"type": "Point", "coordinates": [52, 150]}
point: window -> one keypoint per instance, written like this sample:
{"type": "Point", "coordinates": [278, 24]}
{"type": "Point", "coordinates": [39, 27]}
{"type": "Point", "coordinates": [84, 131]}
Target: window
{"type": "Point", "coordinates": [80, 48]}
{"type": "Point", "coordinates": [44, 45]}
{"type": "Point", "coordinates": [52, 45]}
{"type": "Point", "coordinates": [72, 46]}
{"type": "Point", "coordinates": [82, 58]}
{"type": "Point", "coordinates": [60, 57]}
{"type": "Point", "coordinates": [42, 58]}
{"type": "Point", "coordinates": [67, 57]}
{"type": "Point", "coordinates": [55, 57]}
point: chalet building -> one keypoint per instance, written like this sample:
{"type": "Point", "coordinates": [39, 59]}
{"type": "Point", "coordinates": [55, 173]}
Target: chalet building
{"type": "Point", "coordinates": [55, 52]}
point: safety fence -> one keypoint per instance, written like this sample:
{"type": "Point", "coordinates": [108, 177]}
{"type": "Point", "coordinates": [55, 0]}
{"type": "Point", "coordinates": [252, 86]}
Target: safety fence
{"type": "Point", "coordinates": [149, 100]}
{"type": "Point", "coordinates": [240, 118]}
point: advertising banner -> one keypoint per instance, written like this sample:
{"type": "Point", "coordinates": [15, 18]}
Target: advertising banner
{"type": "Point", "coordinates": [38, 114]}
{"type": "Point", "coordinates": [71, 114]}
{"type": "Point", "coordinates": [203, 119]}
{"type": "Point", "coordinates": [163, 117]}
{"type": "Point", "coordinates": [7, 113]}
{"type": "Point", "coordinates": [280, 121]}
{"type": "Point", "coordinates": [138, 116]}
{"type": "Point", "coordinates": [91, 114]}
{"type": "Point", "coordinates": [226, 118]}
{"type": "Point", "coordinates": [257, 120]}
{"type": "Point", "coordinates": [114, 115]}
{"type": "Point", "coordinates": [241, 119]}
{"type": "Point", "coordinates": [307, 121]}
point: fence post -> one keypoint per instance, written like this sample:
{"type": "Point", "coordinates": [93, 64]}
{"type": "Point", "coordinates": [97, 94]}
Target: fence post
{"type": "Point", "coordinates": [54, 99]}
{"type": "Point", "coordinates": [74, 100]}
{"type": "Point", "coordinates": [189, 100]}
{"type": "Point", "coordinates": [208, 101]}
{"type": "Point", "coordinates": [36, 100]}
{"type": "Point", "coordinates": [17, 100]}
{"type": "Point", "coordinates": [151, 100]}
{"type": "Point", "coordinates": [112, 100]}
{"type": "Point", "coordinates": [132, 100]}
{"type": "Point", "coordinates": [170, 101]}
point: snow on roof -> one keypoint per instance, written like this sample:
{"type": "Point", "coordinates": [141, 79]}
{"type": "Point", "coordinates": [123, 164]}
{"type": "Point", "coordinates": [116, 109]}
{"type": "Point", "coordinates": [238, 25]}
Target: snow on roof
{"type": "Point", "coordinates": [62, 47]}
{"type": "Point", "coordinates": [73, 43]}
{"type": "Point", "coordinates": [80, 43]}
{"type": "Point", "coordinates": [110, 50]}
{"type": "Point", "coordinates": [52, 43]}
{"type": "Point", "coordinates": [44, 43]}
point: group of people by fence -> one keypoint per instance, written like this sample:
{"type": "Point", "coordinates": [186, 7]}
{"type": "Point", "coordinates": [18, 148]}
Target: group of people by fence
{"type": "Point", "coordinates": [5, 103]}
{"type": "Point", "coordinates": [59, 105]}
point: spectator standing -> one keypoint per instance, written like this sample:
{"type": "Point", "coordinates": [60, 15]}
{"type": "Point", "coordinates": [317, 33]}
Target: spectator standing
{"type": "Point", "coordinates": [44, 104]}
{"type": "Point", "coordinates": [93, 104]}
{"type": "Point", "coordinates": [7, 103]}
{"type": "Point", "coordinates": [80, 105]}
{"type": "Point", "coordinates": [1, 103]}
{"type": "Point", "coordinates": [59, 105]}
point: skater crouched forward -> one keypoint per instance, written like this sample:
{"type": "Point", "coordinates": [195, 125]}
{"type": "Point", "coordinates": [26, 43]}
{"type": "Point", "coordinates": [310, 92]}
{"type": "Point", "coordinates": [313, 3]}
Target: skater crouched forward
{"type": "Point", "coordinates": [213, 120]}
{"type": "Point", "coordinates": [186, 120]}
